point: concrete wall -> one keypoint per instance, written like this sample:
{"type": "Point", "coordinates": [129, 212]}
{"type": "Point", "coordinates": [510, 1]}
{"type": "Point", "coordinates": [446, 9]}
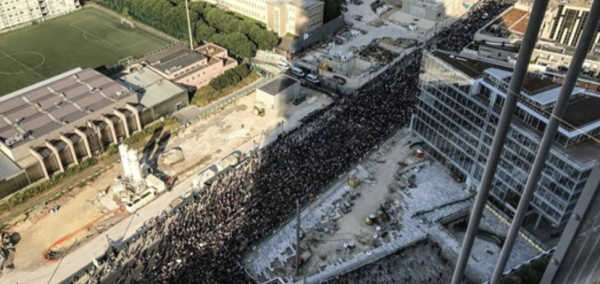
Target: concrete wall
{"type": "Point", "coordinates": [317, 35]}
{"type": "Point", "coordinates": [491, 52]}
{"type": "Point", "coordinates": [307, 20]}
{"type": "Point", "coordinates": [429, 10]}
{"type": "Point", "coordinates": [353, 67]}
{"type": "Point", "coordinates": [255, 9]}
{"type": "Point", "coordinates": [169, 106]}
{"type": "Point", "coordinates": [279, 100]}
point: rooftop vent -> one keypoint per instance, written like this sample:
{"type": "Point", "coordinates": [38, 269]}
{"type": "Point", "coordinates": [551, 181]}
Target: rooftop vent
{"type": "Point", "coordinates": [19, 137]}
{"type": "Point", "coordinates": [10, 141]}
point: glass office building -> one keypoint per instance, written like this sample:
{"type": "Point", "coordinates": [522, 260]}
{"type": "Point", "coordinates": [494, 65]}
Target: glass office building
{"type": "Point", "coordinates": [456, 116]}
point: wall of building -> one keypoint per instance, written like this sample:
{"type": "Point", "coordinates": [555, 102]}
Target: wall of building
{"type": "Point", "coordinates": [13, 184]}
{"type": "Point", "coordinates": [278, 100]}
{"type": "Point", "coordinates": [169, 106]}
{"type": "Point", "coordinates": [487, 51]}
{"type": "Point", "coordinates": [203, 76]}
{"type": "Point", "coordinates": [255, 9]}
{"type": "Point", "coordinates": [305, 20]}
{"type": "Point", "coordinates": [316, 36]}
{"type": "Point", "coordinates": [19, 12]}
{"type": "Point", "coordinates": [429, 10]}
{"type": "Point", "coordinates": [460, 128]}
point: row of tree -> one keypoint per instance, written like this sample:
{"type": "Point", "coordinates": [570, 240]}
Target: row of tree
{"type": "Point", "coordinates": [230, 77]}
{"type": "Point", "coordinates": [242, 37]}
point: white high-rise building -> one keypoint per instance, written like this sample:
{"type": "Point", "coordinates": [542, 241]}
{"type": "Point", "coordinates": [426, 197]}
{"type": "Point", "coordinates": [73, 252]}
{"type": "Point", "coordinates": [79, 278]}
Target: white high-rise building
{"type": "Point", "coordinates": [18, 12]}
{"type": "Point", "coordinates": [295, 17]}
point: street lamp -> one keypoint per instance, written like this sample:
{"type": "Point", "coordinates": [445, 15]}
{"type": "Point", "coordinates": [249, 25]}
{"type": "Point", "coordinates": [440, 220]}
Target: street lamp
{"type": "Point", "coordinates": [187, 9]}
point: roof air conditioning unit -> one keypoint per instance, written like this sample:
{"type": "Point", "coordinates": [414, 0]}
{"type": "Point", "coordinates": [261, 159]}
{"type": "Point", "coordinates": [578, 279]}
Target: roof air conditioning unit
{"type": "Point", "coordinates": [9, 142]}
{"type": "Point", "coordinates": [19, 137]}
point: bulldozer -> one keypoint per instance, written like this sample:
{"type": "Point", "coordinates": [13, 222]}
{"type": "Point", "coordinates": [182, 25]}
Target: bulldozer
{"type": "Point", "coordinates": [259, 111]}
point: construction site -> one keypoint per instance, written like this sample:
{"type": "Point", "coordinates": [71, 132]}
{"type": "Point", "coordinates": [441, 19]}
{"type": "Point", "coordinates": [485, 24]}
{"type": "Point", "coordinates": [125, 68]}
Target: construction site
{"type": "Point", "coordinates": [167, 159]}
{"type": "Point", "coordinates": [396, 210]}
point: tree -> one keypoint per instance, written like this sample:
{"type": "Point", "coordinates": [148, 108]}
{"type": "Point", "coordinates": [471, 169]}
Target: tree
{"type": "Point", "coordinates": [204, 32]}
{"type": "Point", "coordinates": [332, 10]}
{"type": "Point", "coordinates": [240, 36]}
{"type": "Point", "coordinates": [242, 71]}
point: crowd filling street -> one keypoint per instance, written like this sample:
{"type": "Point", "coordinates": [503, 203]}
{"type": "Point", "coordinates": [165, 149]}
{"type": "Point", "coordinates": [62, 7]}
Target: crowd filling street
{"type": "Point", "coordinates": [203, 240]}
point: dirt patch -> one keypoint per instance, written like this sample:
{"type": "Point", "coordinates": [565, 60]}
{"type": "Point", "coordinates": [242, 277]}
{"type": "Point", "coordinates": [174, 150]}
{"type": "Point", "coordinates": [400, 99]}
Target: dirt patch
{"type": "Point", "coordinates": [74, 214]}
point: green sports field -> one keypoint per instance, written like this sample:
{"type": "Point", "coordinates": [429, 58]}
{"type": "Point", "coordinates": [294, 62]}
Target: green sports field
{"type": "Point", "coordinates": [86, 38]}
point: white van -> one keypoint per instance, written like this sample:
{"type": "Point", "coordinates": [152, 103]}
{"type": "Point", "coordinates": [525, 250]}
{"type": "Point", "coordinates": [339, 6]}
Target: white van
{"type": "Point", "coordinates": [298, 72]}
{"type": "Point", "coordinates": [313, 78]}
{"type": "Point", "coordinates": [283, 64]}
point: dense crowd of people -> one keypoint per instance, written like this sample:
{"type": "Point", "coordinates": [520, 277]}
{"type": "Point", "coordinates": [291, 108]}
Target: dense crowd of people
{"type": "Point", "coordinates": [460, 33]}
{"type": "Point", "coordinates": [203, 241]}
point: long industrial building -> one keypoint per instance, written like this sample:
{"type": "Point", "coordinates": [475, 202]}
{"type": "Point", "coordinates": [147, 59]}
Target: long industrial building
{"type": "Point", "coordinates": [456, 115]}
{"type": "Point", "coordinates": [57, 123]}
{"type": "Point", "coordinates": [15, 13]}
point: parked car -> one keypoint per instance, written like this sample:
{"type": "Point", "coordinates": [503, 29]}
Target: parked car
{"type": "Point", "coordinates": [313, 79]}
{"type": "Point", "coordinates": [298, 72]}
{"type": "Point", "coordinates": [283, 64]}
{"type": "Point", "coordinates": [339, 79]}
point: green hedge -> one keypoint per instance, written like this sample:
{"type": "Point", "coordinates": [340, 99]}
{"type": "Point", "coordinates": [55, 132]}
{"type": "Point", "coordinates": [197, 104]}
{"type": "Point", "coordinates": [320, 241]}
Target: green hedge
{"type": "Point", "coordinates": [206, 95]}
{"type": "Point", "coordinates": [230, 77]}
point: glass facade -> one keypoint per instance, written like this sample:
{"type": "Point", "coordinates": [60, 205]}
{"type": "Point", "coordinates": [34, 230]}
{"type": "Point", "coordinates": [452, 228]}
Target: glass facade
{"type": "Point", "coordinates": [456, 116]}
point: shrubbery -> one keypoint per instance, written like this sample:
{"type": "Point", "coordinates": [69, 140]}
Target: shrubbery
{"type": "Point", "coordinates": [206, 95]}
{"type": "Point", "coordinates": [26, 194]}
{"type": "Point", "coordinates": [240, 36]}
{"type": "Point", "coordinates": [230, 77]}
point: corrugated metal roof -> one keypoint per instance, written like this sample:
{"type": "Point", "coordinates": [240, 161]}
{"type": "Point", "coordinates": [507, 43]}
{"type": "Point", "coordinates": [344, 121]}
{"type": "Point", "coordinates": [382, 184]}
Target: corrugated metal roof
{"type": "Point", "coordinates": [151, 88]}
